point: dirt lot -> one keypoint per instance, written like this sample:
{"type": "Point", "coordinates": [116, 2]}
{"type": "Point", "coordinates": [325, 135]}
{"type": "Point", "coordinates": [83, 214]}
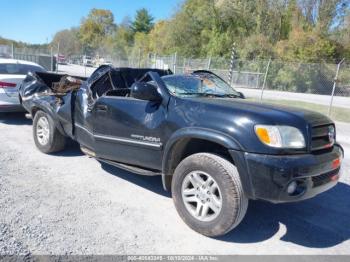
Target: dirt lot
{"type": "Point", "coordinates": [71, 204]}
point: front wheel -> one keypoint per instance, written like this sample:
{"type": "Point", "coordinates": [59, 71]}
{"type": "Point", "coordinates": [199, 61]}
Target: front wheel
{"type": "Point", "coordinates": [208, 194]}
{"type": "Point", "coordinates": [47, 137]}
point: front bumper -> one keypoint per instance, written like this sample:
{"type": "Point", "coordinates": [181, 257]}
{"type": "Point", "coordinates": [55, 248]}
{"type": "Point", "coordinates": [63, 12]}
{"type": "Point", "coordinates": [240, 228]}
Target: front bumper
{"type": "Point", "coordinates": [267, 177]}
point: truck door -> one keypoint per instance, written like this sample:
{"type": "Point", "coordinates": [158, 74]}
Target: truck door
{"type": "Point", "coordinates": [129, 130]}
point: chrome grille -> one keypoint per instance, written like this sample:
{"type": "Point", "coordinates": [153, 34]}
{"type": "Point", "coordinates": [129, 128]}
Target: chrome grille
{"type": "Point", "coordinates": [322, 137]}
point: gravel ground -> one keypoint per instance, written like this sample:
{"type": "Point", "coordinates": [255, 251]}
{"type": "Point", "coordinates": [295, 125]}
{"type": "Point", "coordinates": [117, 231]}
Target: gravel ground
{"type": "Point", "coordinates": [69, 203]}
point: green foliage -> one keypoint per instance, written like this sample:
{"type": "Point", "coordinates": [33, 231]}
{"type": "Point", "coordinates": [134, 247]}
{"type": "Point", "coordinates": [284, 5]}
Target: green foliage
{"type": "Point", "coordinates": [159, 38]}
{"type": "Point", "coordinates": [4, 41]}
{"type": "Point", "coordinates": [257, 46]}
{"type": "Point", "coordinates": [306, 46]}
{"type": "Point", "coordinates": [68, 41]}
{"type": "Point", "coordinates": [95, 28]}
{"type": "Point", "coordinates": [120, 42]}
{"type": "Point", "coordinates": [301, 77]}
{"type": "Point", "coordinates": [289, 30]}
{"type": "Point", "coordinates": [143, 21]}
{"type": "Point", "coordinates": [186, 27]}
{"type": "Point", "coordinates": [298, 35]}
{"type": "Point", "coordinates": [284, 29]}
{"type": "Point", "coordinates": [16, 44]}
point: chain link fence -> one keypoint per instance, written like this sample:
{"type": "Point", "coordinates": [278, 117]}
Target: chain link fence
{"type": "Point", "coordinates": [320, 87]}
{"type": "Point", "coordinates": [5, 51]}
{"type": "Point", "coordinates": [343, 81]}
{"type": "Point", "coordinates": [46, 57]}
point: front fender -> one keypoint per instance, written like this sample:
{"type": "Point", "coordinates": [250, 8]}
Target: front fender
{"type": "Point", "coordinates": [198, 133]}
{"type": "Point", "coordinates": [233, 146]}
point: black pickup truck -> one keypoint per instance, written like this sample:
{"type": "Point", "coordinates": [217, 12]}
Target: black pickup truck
{"type": "Point", "coordinates": [213, 149]}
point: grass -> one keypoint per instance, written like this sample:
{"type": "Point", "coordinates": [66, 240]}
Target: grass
{"type": "Point", "coordinates": [337, 113]}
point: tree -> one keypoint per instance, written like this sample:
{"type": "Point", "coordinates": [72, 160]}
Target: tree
{"type": "Point", "coordinates": [159, 38]}
{"type": "Point", "coordinates": [141, 44]}
{"type": "Point", "coordinates": [95, 28]}
{"type": "Point", "coordinates": [143, 21]}
{"type": "Point", "coordinates": [68, 41]}
{"type": "Point", "coordinates": [122, 41]}
{"type": "Point", "coordinates": [308, 30]}
{"type": "Point", "coordinates": [257, 46]}
{"type": "Point", "coordinates": [307, 46]}
{"type": "Point", "coordinates": [190, 28]}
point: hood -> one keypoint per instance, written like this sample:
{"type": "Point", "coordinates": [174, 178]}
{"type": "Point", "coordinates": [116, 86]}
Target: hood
{"type": "Point", "coordinates": [238, 117]}
{"type": "Point", "coordinates": [277, 114]}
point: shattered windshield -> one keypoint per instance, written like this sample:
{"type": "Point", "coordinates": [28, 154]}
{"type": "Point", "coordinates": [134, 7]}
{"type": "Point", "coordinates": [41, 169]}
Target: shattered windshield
{"type": "Point", "coordinates": [201, 84]}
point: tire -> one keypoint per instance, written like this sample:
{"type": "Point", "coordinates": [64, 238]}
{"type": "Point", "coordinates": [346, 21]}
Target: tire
{"type": "Point", "coordinates": [54, 141]}
{"type": "Point", "coordinates": [226, 186]}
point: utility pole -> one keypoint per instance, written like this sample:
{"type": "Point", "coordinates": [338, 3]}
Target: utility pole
{"type": "Point", "coordinates": [334, 86]}
{"type": "Point", "coordinates": [265, 78]}
{"type": "Point", "coordinates": [155, 60]}
{"type": "Point", "coordinates": [51, 60]}
{"type": "Point", "coordinates": [175, 62]}
{"type": "Point", "coordinates": [139, 57]}
{"type": "Point", "coordinates": [209, 63]}
{"type": "Point", "coordinates": [58, 54]}
{"type": "Point", "coordinates": [233, 56]}
{"type": "Point", "coordinates": [12, 51]}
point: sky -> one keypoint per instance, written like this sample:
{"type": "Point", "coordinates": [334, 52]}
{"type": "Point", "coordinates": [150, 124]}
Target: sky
{"type": "Point", "coordinates": [36, 21]}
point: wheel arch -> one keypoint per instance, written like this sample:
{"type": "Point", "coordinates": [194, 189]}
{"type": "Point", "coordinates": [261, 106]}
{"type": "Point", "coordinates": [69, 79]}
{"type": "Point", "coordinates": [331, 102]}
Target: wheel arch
{"type": "Point", "coordinates": [39, 107]}
{"type": "Point", "coordinates": [187, 141]}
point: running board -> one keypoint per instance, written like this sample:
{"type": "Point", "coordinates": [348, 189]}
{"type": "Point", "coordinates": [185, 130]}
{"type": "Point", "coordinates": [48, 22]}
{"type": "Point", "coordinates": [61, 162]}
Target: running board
{"type": "Point", "coordinates": [87, 151]}
{"type": "Point", "coordinates": [130, 168]}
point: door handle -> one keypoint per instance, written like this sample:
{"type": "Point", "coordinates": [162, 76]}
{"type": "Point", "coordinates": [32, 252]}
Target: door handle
{"type": "Point", "coordinates": [102, 108]}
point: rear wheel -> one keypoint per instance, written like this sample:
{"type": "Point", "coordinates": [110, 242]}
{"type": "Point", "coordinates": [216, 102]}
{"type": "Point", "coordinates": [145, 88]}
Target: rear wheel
{"type": "Point", "coordinates": [208, 194]}
{"type": "Point", "coordinates": [47, 137]}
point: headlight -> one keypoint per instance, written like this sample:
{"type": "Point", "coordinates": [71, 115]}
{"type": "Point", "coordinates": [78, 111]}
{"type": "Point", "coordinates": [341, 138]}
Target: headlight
{"type": "Point", "coordinates": [280, 136]}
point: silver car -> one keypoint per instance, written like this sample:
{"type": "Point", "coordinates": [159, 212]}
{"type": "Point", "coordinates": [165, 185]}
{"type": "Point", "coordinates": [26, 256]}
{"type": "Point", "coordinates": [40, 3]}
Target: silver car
{"type": "Point", "coordinates": [12, 73]}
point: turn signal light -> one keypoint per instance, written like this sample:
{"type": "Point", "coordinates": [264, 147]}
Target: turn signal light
{"type": "Point", "coordinates": [336, 163]}
{"type": "Point", "coordinates": [263, 135]}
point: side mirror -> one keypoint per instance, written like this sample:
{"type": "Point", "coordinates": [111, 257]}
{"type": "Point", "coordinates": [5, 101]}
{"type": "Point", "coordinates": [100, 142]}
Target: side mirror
{"type": "Point", "coordinates": [241, 95]}
{"type": "Point", "coordinates": [145, 91]}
